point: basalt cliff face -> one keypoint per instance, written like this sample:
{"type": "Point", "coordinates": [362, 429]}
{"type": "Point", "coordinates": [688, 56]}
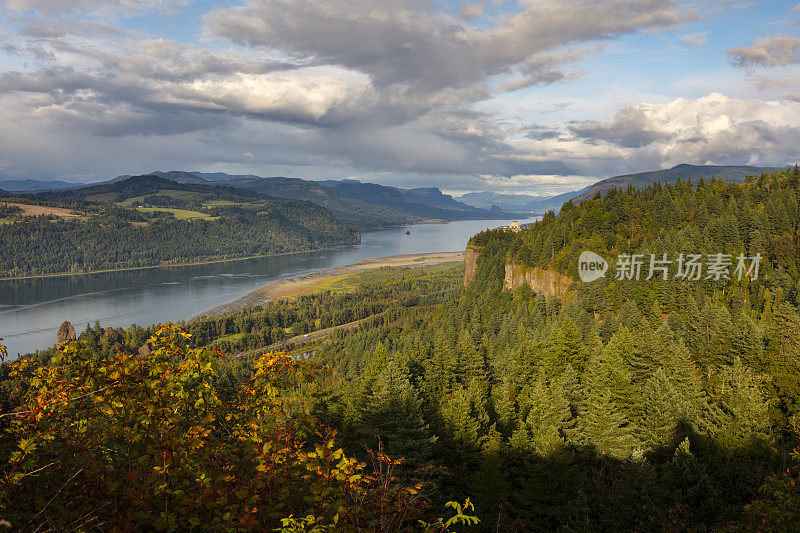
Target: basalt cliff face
{"type": "Point", "coordinates": [547, 282]}
{"type": "Point", "coordinates": [471, 262]}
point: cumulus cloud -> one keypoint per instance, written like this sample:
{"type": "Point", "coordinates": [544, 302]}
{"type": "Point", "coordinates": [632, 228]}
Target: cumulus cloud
{"type": "Point", "coordinates": [695, 39]}
{"type": "Point", "coordinates": [773, 51]}
{"type": "Point", "coordinates": [471, 11]}
{"type": "Point", "coordinates": [93, 7]}
{"type": "Point", "coordinates": [397, 91]}
{"type": "Point", "coordinates": [410, 42]}
{"type": "Point", "coordinates": [630, 127]}
{"type": "Point", "coordinates": [712, 129]}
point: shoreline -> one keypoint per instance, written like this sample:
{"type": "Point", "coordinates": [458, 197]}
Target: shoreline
{"type": "Point", "coordinates": [214, 261]}
{"type": "Point", "coordinates": [300, 285]}
{"type": "Point", "coordinates": [168, 265]}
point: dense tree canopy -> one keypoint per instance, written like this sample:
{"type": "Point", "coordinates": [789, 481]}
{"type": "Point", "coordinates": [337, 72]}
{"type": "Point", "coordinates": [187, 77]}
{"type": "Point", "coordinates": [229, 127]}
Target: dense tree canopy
{"type": "Point", "coordinates": [622, 405]}
{"type": "Point", "coordinates": [147, 221]}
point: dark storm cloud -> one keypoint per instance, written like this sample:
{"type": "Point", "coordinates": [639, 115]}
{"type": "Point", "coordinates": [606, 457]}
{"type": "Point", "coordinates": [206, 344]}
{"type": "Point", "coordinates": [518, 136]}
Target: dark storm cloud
{"type": "Point", "coordinates": [409, 41]}
{"type": "Point", "coordinates": [332, 88]}
{"type": "Point", "coordinates": [629, 127]}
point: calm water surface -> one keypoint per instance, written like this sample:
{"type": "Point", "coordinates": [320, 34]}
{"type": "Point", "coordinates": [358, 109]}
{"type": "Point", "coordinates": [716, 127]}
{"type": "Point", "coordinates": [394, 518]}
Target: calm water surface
{"type": "Point", "coordinates": [32, 310]}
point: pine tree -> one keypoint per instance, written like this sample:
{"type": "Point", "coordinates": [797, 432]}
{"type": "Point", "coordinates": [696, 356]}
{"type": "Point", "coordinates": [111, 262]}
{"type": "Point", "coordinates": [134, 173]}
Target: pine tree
{"type": "Point", "coordinates": [504, 399]}
{"type": "Point", "coordinates": [610, 371]}
{"type": "Point", "coordinates": [489, 484]}
{"type": "Point", "coordinates": [662, 409]}
{"type": "Point", "coordinates": [783, 357]}
{"type": "Point", "coordinates": [740, 411]}
{"type": "Point", "coordinates": [550, 418]}
{"type": "Point", "coordinates": [471, 364]}
{"type": "Point", "coordinates": [461, 427]}
{"type": "Point", "coordinates": [690, 487]}
{"type": "Point", "coordinates": [612, 405]}
{"type": "Point", "coordinates": [709, 334]}
{"type": "Point", "coordinates": [687, 381]}
{"type": "Point", "coordinates": [393, 414]}
{"type": "Point", "coordinates": [441, 368]}
{"type": "Point", "coordinates": [565, 348]}
{"type": "Point", "coordinates": [641, 352]}
{"type": "Point", "coordinates": [747, 339]}
{"type": "Point", "coordinates": [606, 427]}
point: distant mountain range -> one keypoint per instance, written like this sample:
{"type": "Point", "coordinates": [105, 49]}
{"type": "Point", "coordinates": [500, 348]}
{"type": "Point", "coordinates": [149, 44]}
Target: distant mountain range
{"type": "Point", "coordinates": [735, 174]}
{"type": "Point", "coordinates": [539, 205]}
{"type": "Point", "coordinates": [516, 202]}
{"type": "Point", "coordinates": [367, 205]}
{"type": "Point", "coordinates": [362, 205]}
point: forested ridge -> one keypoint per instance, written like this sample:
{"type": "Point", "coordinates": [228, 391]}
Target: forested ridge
{"type": "Point", "coordinates": [136, 224]}
{"type": "Point", "coordinates": [624, 406]}
{"type": "Point", "coordinates": [759, 216]}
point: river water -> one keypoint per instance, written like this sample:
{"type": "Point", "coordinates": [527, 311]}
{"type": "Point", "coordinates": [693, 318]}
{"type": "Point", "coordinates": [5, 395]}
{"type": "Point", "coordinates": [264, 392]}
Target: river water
{"type": "Point", "coordinates": [32, 310]}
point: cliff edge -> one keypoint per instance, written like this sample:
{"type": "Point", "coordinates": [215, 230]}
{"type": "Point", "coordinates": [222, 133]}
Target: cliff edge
{"type": "Point", "coordinates": [547, 282]}
{"type": "Point", "coordinates": [471, 262]}
{"type": "Point", "coordinates": [540, 280]}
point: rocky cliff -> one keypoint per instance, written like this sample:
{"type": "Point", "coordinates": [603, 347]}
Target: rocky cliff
{"type": "Point", "coordinates": [471, 262]}
{"type": "Point", "coordinates": [547, 282]}
{"type": "Point", "coordinates": [542, 281]}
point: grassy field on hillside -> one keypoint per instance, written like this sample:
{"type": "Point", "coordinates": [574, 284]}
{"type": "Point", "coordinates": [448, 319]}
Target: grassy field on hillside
{"type": "Point", "coordinates": [189, 196]}
{"type": "Point", "coordinates": [180, 214]}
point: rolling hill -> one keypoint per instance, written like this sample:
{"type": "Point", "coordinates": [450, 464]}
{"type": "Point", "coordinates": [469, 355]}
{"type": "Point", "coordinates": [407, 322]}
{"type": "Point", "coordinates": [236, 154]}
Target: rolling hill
{"type": "Point", "coordinates": [540, 205]}
{"type": "Point", "coordinates": [428, 202]}
{"type": "Point", "coordinates": [349, 211]}
{"type": "Point", "coordinates": [734, 174]}
{"type": "Point", "coordinates": [357, 204]}
{"type": "Point", "coordinates": [433, 197]}
{"type": "Point", "coordinates": [487, 199]}
{"type": "Point", "coordinates": [146, 221]}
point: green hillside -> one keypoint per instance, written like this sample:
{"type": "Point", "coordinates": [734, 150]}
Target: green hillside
{"type": "Point", "coordinates": [734, 174]}
{"type": "Point", "coordinates": [427, 203]}
{"type": "Point", "coordinates": [668, 404]}
{"type": "Point", "coordinates": [148, 221]}
{"type": "Point", "coordinates": [360, 205]}
{"type": "Point", "coordinates": [348, 211]}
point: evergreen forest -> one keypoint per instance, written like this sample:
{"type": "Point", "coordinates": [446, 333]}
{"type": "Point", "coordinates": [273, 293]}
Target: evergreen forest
{"type": "Point", "coordinates": [148, 221]}
{"type": "Point", "coordinates": [457, 402]}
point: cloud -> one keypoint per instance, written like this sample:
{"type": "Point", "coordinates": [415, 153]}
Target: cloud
{"type": "Point", "coordinates": [358, 70]}
{"type": "Point", "coordinates": [712, 129]}
{"type": "Point", "coordinates": [629, 127]}
{"type": "Point", "coordinates": [471, 11]}
{"type": "Point", "coordinates": [773, 51]}
{"type": "Point", "coordinates": [99, 8]}
{"type": "Point", "coordinates": [410, 42]}
{"type": "Point", "coordinates": [399, 92]}
{"type": "Point", "coordinates": [695, 39]}
{"type": "Point", "coordinates": [541, 184]}
{"type": "Point", "coordinates": [542, 133]}
{"type": "Point", "coordinates": [547, 68]}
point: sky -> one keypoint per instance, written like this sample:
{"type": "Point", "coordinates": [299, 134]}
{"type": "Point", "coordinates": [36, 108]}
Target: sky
{"type": "Point", "coordinates": [526, 96]}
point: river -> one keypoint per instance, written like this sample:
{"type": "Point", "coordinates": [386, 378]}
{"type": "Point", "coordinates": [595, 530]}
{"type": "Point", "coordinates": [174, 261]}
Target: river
{"type": "Point", "coordinates": [31, 310]}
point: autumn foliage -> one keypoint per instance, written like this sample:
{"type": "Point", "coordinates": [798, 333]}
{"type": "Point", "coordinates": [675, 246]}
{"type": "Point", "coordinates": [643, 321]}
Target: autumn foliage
{"type": "Point", "coordinates": [129, 443]}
